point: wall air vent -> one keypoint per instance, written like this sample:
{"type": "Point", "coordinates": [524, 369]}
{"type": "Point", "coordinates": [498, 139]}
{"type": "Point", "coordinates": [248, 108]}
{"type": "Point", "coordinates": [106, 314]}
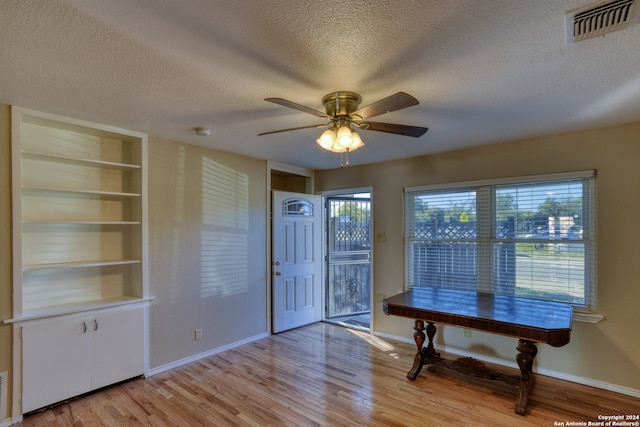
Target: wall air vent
{"type": "Point", "coordinates": [600, 19]}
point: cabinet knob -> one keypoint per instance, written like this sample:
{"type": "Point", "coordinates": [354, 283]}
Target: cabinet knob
{"type": "Point", "coordinates": [95, 324]}
{"type": "Point", "coordinates": [84, 327]}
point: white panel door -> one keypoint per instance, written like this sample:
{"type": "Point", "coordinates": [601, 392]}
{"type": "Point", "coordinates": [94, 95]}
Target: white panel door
{"type": "Point", "coordinates": [56, 360]}
{"type": "Point", "coordinates": [297, 260]}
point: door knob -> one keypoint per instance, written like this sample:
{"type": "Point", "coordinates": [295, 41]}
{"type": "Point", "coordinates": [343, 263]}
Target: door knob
{"type": "Point", "coordinates": [277, 273]}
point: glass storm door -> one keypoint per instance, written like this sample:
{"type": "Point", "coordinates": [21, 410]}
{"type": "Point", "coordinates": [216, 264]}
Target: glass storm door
{"type": "Point", "coordinates": [348, 256]}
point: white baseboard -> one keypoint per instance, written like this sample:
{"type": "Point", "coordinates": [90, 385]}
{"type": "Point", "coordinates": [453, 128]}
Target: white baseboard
{"type": "Point", "coordinates": [591, 382]}
{"type": "Point", "coordinates": [196, 357]}
{"type": "Point", "coordinates": [546, 372]}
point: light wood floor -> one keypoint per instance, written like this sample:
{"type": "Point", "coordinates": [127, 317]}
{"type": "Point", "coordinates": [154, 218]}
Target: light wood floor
{"type": "Point", "coordinates": [325, 375]}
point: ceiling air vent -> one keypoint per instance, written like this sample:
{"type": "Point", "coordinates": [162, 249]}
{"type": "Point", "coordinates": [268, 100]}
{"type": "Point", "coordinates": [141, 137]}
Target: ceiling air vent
{"type": "Point", "coordinates": [600, 19]}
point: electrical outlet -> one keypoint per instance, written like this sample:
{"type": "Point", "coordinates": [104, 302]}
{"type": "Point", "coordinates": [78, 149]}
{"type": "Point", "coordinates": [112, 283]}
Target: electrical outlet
{"type": "Point", "coordinates": [198, 334]}
{"type": "Point", "coordinates": [380, 297]}
{"type": "Point", "coordinates": [467, 333]}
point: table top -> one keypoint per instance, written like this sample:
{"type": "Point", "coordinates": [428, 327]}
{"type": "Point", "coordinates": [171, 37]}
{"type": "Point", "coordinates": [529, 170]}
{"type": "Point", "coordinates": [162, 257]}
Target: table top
{"type": "Point", "coordinates": [535, 320]}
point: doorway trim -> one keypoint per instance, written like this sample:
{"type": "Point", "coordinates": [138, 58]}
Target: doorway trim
{"type": "Point", "coordinates": [309, 188]}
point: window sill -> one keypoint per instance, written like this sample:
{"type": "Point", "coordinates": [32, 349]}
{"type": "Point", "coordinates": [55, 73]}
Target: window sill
{"type": "Point", "coordinates": [585, 317]}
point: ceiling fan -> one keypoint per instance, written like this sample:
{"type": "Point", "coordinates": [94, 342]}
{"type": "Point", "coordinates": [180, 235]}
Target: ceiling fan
{"type": "Point", "coordinates": [342, 111]}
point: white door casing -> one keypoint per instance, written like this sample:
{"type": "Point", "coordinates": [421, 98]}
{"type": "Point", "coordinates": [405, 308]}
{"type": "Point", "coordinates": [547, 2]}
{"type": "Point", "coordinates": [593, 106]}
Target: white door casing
{"type": "Point", "coordinates": [296, 260]}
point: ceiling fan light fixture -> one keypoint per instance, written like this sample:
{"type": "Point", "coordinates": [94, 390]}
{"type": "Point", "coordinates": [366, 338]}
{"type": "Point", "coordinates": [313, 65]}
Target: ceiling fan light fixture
{"type": "Point", "coordinates": [341, 141]}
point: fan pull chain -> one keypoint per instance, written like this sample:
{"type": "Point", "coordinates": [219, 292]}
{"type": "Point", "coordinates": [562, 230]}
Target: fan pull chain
{"type": "Point", "coordinates": [346, 163]}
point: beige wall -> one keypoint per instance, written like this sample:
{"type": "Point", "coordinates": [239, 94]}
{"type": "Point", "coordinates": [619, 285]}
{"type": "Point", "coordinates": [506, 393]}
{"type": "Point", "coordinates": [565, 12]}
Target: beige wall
{"type": "Point", "coordinates": [5, 245]}
{"type": "Point", "coordinates": [605, 354]}
{"type": "Point", "coordinates": [185, 208]}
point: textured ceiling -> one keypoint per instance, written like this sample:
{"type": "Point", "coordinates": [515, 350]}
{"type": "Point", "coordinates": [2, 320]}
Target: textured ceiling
{"type": "Point", "coordinates": [483, 71]}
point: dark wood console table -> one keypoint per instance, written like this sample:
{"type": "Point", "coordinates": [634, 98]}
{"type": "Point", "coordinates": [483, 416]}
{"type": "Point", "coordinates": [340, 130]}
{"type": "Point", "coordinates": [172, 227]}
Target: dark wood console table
{"type": "Point", "coordinates": [531, 321]}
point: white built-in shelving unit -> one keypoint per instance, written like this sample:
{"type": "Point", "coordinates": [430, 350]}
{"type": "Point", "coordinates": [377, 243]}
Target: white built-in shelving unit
{"type": "Point", "coordinates": [80, 254]}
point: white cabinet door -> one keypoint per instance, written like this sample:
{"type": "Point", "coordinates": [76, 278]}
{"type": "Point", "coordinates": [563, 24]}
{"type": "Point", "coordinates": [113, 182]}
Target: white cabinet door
{"type": "Point", "coordinates": [56, 360]}
{"type": "Point", "coordinates": [117, 345]}
{"type": "Point", "coordinates": [66, 356]}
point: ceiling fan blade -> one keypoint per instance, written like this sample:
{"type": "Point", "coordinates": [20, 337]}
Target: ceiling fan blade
{"type": "Point", "coordinates": [301, 127]}
{"type": "Point", "coordinates": [391, 103]}
{"type": "Point", "coordinates": [290, 104]}
{"type": "Point", "coordinates": [414, 131]}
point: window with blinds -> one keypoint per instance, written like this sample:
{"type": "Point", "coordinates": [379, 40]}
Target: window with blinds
{"type": "Point", "coordinates": [531, 237]}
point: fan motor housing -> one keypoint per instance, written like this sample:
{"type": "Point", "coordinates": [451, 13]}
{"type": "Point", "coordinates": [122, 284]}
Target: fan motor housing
{"type": "Point", "coordinates": [341, 103]}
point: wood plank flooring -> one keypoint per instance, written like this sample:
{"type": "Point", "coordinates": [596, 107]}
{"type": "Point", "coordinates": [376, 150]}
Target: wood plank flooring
{"type": "Point", "coordinates": [325, 375]}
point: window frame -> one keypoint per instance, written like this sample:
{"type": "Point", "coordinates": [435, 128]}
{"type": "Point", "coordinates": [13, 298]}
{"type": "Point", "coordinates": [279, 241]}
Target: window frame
{"type": "Point", "coordinates": [486, 228]}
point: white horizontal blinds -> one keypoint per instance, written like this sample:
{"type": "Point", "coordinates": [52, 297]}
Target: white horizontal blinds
{"type": "Point", "coordinates": [442, 239]}
{"type": "Point", "coordinates": [533, 237]}
{"type": "Point", "coordinates": [541, 246]}
{"type": "Point", "coordinates": [224, 237]}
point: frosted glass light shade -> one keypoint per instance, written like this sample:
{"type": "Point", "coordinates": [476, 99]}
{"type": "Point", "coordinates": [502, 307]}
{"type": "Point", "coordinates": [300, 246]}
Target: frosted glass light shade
{"type": "Point", "coordinates": [327, 139]}
{"type": "Point", "coordinates": [344, 138]}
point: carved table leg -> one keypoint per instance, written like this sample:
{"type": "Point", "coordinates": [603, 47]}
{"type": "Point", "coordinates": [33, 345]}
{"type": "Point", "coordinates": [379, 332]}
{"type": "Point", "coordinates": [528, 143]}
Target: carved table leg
{"type": "Point", "coordinates": [423, 353]}
{"type": "Point", "coordinates": [527, 352]}
{"type": "Point", "coordinates": [431, 332]}
{"type": "Point", "coordinates": [419, 337]}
